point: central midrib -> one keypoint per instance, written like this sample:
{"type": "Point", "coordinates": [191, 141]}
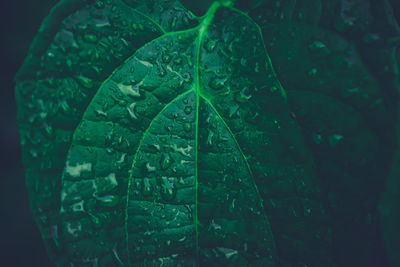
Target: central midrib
{"type": "Point", "coordinates": [202, 31]}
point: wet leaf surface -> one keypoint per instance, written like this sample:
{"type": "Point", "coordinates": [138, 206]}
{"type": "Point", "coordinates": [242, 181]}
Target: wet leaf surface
{"type": "Point", "coordinates": [259, 134]}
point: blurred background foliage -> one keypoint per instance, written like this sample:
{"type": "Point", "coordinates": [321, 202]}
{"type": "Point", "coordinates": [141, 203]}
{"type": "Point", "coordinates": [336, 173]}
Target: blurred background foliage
{"type": "Point", "coordinates": [20, 243]}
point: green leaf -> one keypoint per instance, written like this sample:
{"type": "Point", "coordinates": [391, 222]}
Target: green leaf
{"type": "Point", "coordinates": [334, 59]}
{"type": "Point", "coordinates": [60, 76]}
{"type": "Point", "coordinates": [182, 134]}
{"type": "Point", "coordinates": [155, 137]}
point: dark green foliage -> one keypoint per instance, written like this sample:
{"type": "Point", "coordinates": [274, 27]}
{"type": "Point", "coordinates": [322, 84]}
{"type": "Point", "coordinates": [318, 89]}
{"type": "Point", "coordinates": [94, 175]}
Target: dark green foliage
{"type": "Point", "coordinates": [259, 134]}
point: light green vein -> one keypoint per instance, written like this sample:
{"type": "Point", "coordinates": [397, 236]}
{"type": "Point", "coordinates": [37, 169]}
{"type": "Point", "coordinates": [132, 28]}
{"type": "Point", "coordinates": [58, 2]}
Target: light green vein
{"type": "Point", "coordinates": [146, 132]}
{"type": "Point", "coordinates": [206, 22]}
{"type": "Point", "coordinates": [146, 16]}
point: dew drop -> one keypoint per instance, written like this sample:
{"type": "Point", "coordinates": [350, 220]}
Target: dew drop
{"type": "Point", "coordinates": [147, 189]}
{"type": "Point", "coordinates": [317, 138]}
{"type": "Point", "coordinates": [168, 188]}
{"type": "Point", "coordinates": [91, 38]}
{"type": "Point", "coordinates": [166, 58]}
{"type": "Point", "coordinates": [210, 45]}
{"type": "Point", "coordinates": [99, 4]}
{"type": "Point", "coordinates": [132, 111]}
{"type": "Point", "coordinates": [187, 126]}
{"type": "Point", "coordinates": [334, 139]}
{"type": "Point", "coordinates": [48, 131]}
{"type": "Point", "coordinates": [243, 96]}
{"type": "Point", "coordinates": [165, 161]}
{"type": "Point", "coordinates": [217, 83]}
{"type": "Point", "coordinates": [107, 201]}
{"type": "Point", "coordinates": [85, 81]}
{"type": "Point", "coordinates": [316, 46]}
{"type": "Point", "coordinates": [188, 109]}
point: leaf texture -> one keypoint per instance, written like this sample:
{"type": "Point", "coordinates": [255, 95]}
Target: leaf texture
{"type": "Point", "coordinates": [153, 137]}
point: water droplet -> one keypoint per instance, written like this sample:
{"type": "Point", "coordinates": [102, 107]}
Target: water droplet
{"type": "Point", "coordinates": [165, 161]}
{"type": "Point", "coordinates": [217, 83]}
{"type": "Point", "coordinates": [187, 126]}
{"type": "Point", "coordinates": [316, 46]}
{"type": "Point", "coordinates": [232, 205]}
{"type": "Point", "coordinates": [131, 90]}
{"type": "Point", "coordinates": [107, 201]}
{"type": "Point", "coordinates": [227, 252]}
{"type": "Point", "coordinates": [166, 58]}
{"type": "Point", "coordinates": [91, 38]}
{"type": "Point", "coordinates": [317, 138]}
{"type": "Point", "coordinates": [209, 138]}
{"type": "Point", "coordinates": [148, 233]}
{"type": "Point", "coordinates": [243, 96]}
{"type": "Point", "coordinates": [78, 207]}
{"type": "Point", "coordinates": [85, 81]}
{"type": "Point", "coordinates": [99, 4]}
{"type": "Point", "coordinates": [150, 168]}
{"type": "Point", "coordinates": [371, 37]}
{"type": "Point", "coordinates": [147, 189]}
{"type": "Point", "coordinates": [132, 111]}
{"type": "Point", "coordinates": [100, 113]}
{"type": "Point", "coordinates": [188, 109]}
{"type": "Point", "coordinates": [48, 131]}
{"type": "Point", "coordinates": [161, 71]}
{"type": "Point", "coordinates": [210, 45]}
{"type": "Point", "coordinates": [168, 188]}
{"type": "Point", "coordinates": [312, 72]}
{"type": "Point", "coordinates": [334, 139]}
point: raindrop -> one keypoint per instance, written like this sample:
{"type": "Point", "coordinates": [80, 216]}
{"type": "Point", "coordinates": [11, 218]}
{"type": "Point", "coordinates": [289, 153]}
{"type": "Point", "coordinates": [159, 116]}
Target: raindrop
{"type": "Point", "coordinates": [165, 161]}
{"type": "Point", "coordinates": [65, 108]}
{"type": "Point", "coordinates": [243, 96]}
{"type": "Point", "coordinates": [132, 111]}
{"type": "Point", "coordinates": [150, 168]}
{"type": "Point", "coordinates": [334, 139]}
{"type": "Point", "coordinates": [85, 81]}
{"type": "Point", "coordinates": [147, 189]}
{"type": "Point", "coordinates": [91, 38]}
{"type": "Point", "coordinates": [188, 109]}
{"type": "Point", "coordinates": [210, 45]}
{"type": "Point", "coordinates": [161, 70]}
{"type": "Point", "coordinates": [166, 58]}
{"type": "Point", "coordinates": [317, 138]}
{"type": "Point", "coordinates": [232, 206]}
{"type": "Point", "coordinates": [316, 46]}
{"type": "Point", "coordinates": [217, 83]}
{"type": "Point", "coordinates": [131, 90]}
{"type": "Point", "coordinates": [371, 37]}
{"type": "Point", "coordinates": [100, 113]}
{"type": "Point", "coordinates": [107, 201]}
{"type": "Point", "coordinates": [312, 72]}
{"type": "Point", "coordinates": [168, 189]}
{"type": "Point", "coordinates": [99, 4]}
{"type": "Point", "coordinates": [48, 131]}
{"type": "Point", "coordinates": [187, 126]}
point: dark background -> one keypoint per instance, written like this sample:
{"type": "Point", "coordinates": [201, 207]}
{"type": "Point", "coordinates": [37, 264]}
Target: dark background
{"type": "Point", "coordinates": [20, 243]}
